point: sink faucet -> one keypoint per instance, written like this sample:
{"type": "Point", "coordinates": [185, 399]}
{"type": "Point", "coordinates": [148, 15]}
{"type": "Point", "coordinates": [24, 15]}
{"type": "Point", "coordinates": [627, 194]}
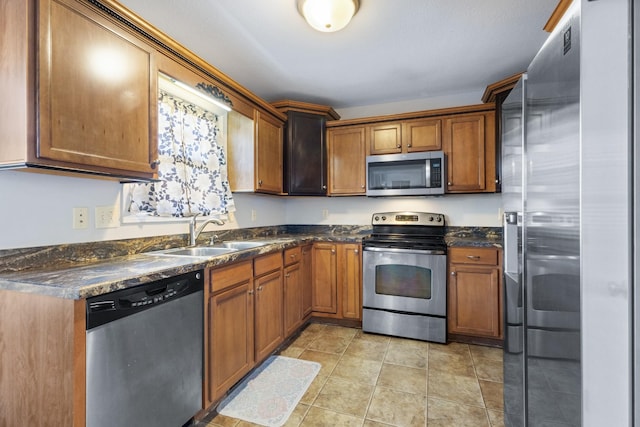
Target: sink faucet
{"type": "Point", "coordinates": [194, 233]}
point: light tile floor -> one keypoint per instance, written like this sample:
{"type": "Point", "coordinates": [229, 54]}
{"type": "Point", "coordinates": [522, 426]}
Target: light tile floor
{"type": "Point", "coordinates": [372, 380]}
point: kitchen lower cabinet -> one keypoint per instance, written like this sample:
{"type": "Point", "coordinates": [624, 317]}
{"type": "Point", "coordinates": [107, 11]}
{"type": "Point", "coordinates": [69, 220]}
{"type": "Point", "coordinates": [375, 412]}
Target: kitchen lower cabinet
{"type": "Point", "coordinates": [229, 332]}
{"type": "Point", "coordinates": [269, 312]}
{"type": "Point", "coordinates": [337, 280]}
{"type": "Point", "coordinates": [293, 311]}
{"type": "Point", "coordinates": [346, 161]}
{"type": "Point", "coordinates": [325, 279]}
{"type": "Point", "coordinates": [475, 292]}
{"type": "Point", "coordinates": [80, 93]}
{"type": "Point", "coordinates": [42, 360]}
{"type": "Point", "coordinates": [306, 277]}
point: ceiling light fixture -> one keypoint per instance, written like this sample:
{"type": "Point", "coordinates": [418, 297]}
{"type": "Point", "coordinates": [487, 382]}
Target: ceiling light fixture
{"type": "Point", "coordinates": [328, 15]}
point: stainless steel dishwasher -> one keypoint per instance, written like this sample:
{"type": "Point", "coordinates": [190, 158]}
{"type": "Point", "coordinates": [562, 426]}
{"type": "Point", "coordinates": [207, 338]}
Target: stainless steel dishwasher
{"type": "Point", "coordinates": [145, 354]}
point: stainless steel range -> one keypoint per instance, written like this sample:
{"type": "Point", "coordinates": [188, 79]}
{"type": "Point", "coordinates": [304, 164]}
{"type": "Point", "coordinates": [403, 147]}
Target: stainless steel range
{"type": "Point", "coordinates": [404, 276]}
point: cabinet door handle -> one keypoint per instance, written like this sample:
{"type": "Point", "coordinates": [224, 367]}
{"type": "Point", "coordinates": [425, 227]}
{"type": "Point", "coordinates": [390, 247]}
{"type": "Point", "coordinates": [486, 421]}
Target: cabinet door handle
{"type": "Point", "coordinates": [259, 182]}
{"type": "Point", "coordinates": [398, 146]}
{"type": "Point", "coordinates": [324, 187]}
{"type": "Point", "coordinates": [473, 257]}
{"type": "Point", "coordinates": [362, 186]}
{"type": "Point", "coordinates": [409, 145]}
{"type": "Point", "coordinates": [449, 183]}
{"type": "Point", "coordinates": [287, 275]}
{"type": "Point", "coordinates": [251, 292]}
{"type": "Point", "coordinates": [259, 288]}
{"type": "Point", "coordinates": [453, 273]}
{"type": "Point", "coordinates": [333, 251]}
{"type": "Point", "coordinates": [355, 251]}
{"type": "Point", "coordinates": [154, 164]}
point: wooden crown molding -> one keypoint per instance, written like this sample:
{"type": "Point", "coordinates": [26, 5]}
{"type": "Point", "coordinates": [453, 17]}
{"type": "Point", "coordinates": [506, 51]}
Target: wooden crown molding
{"type": "Point", "coordinates": [304, 107]}
{"type": "Point", "coordinates": [556, 15]}
{"type": "Point", "coordinates": [498, 87]}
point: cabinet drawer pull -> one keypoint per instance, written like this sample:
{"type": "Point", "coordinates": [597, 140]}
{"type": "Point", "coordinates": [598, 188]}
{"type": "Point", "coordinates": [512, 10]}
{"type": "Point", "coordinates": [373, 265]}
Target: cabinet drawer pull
{"type": "Point", "coordinates": [292, 255]}
{"type": "Point", "coordinates": [473, 257]}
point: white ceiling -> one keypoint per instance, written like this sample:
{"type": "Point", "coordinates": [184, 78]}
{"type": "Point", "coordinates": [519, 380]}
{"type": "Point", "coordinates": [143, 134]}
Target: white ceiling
{"type": "Point", "coordinates": [393, 50]}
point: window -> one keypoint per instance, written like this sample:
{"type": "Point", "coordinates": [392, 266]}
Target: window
{"type": "Point", "coordinates": [192, 170]}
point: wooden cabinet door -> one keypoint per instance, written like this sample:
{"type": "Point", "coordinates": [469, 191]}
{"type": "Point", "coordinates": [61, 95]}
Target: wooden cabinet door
{"type": "Point", "coordinates": [230, 348]}
{"type": "Point", "coordinates": [346, 148]}
{"type": "Point", "coordinates": [385, 138]}
{"type": "Point", "coordinates": [269, 332]}
{"type": "Point", "coordinates": [469, 144]}
{"type": "Point", "coordinates": [268, 154]}
{"type": "Point", "coordinates": [306, 280]}
{"type": "Point", "coordinates": [422, 135]}
{"type": "Point", "coordinates": [97, 92]}
{"type": "Point", "coordinates": [292, 298]}
{"type": "Point", "coordinates": [474, 301]}
{"type": "Point", "coordinates": [350, 279]}
{"type": "Point", "coordinates": [325, 283]}
{"type": "Point", "coordinates": [305, 159]}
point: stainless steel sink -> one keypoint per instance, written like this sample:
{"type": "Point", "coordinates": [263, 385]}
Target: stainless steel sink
{"type": "Point", "coordinates": [198, 251]}
{"type": "Point", "coordinates": [241, 245]}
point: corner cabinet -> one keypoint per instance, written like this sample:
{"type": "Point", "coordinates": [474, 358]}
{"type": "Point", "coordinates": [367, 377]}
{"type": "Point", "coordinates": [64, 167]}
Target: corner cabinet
{"type": "Point", "coordinates": [81, 92]}
{"type": "Point", "coordinates": [475, 293]}
{"type": "Point", "coordinates": [305, 151]}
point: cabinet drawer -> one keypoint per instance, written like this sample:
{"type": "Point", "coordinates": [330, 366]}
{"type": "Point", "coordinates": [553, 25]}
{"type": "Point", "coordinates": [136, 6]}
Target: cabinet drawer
{"type": "Point", "coordinates": [222, 278]}
{"type": "Point", "coordinates": [267, 263]}
{"type": "Point", "coordinates": [485, 256]}
{"type": "Point", "coordinates": [292, 255]}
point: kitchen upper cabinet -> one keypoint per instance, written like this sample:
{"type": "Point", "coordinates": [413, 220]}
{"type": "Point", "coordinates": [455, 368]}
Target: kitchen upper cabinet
{"type": "Point", "coordinates": [337, 280]}
{"type": "Point", "coordinates": [268, 161]}
{"type": "Point", "coordinates": [407, 136]}
{"type": "Point", "coordinates": [305, 151]}
{"type": "Point", "coordinates": [475, 293]}
{"type": "Point", "coordinates": [422, 135]}
{"type": "Point", "coordinates": [229, 331]}
{"type": "Point", "coordinates": [385, 138]}
{"type": "Point", "coordinates": [347, 155]}
{"type": "Point", "coordinates": [79, 93]}
{"type": "Point", "coordinates": [470, 147]}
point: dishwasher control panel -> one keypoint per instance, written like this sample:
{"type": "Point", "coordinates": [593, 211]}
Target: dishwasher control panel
{"type": "Point", "coordinates": [118, 304]}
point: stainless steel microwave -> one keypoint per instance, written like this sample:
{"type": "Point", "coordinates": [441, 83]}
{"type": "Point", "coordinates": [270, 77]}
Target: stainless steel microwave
{"type": "Point", "coordinates": [411, 174]}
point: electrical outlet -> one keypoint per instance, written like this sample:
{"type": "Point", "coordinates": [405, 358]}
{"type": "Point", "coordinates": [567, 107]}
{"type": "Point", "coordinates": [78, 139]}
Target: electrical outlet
{"type": "Point", "coordinates": [254, 215]}
{"type": "Point", "coordinates": [325, 213]}
{"type": "Point", "coordinates": [80, 218]}
{"type": "Point", "coordinates": [107, 217]}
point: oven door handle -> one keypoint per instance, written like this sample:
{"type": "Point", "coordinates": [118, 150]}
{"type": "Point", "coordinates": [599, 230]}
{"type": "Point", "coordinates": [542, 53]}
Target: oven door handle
{"type": "Point", "coordinates": [405, 251]}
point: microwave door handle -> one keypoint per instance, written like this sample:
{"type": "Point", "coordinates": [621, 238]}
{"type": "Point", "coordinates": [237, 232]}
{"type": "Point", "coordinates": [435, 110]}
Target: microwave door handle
{"type": "Point", "coordinates": [427, 173]}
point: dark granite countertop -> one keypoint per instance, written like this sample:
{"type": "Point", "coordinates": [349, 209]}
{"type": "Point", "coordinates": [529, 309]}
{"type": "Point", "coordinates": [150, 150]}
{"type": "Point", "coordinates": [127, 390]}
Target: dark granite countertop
{"type": "Point", "coordinates": [83, 280]}
{"type": "Point", "coordinates": [84, 270]}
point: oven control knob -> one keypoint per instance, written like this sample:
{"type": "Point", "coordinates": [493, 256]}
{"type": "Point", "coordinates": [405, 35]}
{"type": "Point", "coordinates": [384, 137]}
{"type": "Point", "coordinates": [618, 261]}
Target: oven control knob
{"type": "Point", "coordinates": [430, 218]}
{"type": "Point", "coordinates": [384, 218]}
{"type": "Point", "coordinates": [439, 219]}
{"type": "Point", "coordinates": [377, 218]}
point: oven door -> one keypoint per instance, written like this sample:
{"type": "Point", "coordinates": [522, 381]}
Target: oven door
{"type": "Point", "coordinates": [404, 280]}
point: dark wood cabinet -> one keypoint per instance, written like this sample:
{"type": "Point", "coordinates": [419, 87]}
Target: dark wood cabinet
{"type": "Point", "coordinates": [305, 148]}
{"type": "Point", "coordinates": [305, 155]}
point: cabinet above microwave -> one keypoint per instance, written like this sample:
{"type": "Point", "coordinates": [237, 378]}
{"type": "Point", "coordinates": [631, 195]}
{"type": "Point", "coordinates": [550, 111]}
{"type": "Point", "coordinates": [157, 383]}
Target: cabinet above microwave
{"type": "Point", "coordinates": [411, 174]}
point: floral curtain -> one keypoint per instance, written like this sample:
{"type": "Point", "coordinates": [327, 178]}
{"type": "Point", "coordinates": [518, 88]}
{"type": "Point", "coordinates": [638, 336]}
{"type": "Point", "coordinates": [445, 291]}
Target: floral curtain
{"type": "Point", "coordinates": [193, 168]}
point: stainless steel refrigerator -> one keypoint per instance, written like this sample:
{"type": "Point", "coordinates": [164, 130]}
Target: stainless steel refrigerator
{"type": "Point", "coordinates": [541, 200]}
